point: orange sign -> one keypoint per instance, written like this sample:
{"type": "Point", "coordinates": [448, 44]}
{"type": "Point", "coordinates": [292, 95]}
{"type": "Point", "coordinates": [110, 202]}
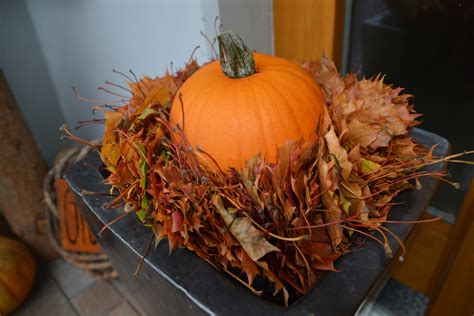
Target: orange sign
{"type": "Point", "coordinates": [75, 234]}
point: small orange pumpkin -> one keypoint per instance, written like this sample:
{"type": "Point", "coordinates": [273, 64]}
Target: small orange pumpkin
{"type": "Point", "coordinates": [246, 104]}
{"type": "Point", "coordinates": [17, 274]}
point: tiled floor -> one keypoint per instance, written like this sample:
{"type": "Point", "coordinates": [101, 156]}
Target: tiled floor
{"type": "Point", "coordinates": [61, 289]}
{"type": "Point", "coordinates": [398, 299]}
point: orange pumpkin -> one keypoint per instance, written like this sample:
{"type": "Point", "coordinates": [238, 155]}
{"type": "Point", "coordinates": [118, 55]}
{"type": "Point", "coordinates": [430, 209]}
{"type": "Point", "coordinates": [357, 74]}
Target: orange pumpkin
{"type": "Point", "coordinates": [245, 104]}
{"type": "Point", "coordinates": [17, 274]}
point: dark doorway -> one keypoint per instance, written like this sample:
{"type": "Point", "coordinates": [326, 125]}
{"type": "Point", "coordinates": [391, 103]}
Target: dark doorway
{"type": "Point", "coordinates": [427, 47]}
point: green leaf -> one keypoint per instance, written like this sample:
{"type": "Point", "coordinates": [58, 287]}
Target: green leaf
{"type": "Point", "coordinates": [145, 202]}
{"type": "Point", "coordinates": [142, 215]}
{"type": "Point", "coordinates": [142, 151]}
{"type": "Point", "coordinates": [146, 113]}
{"type": "Point", "coordinates": [143, 167]}
{"type": "Point", "coordinates": [165, 154]}
{"type": "Point", "coordinates": [143, 173]}
{"type": "Point", "coordinates": [346, 206]}
{"type": "Point", "coordinates": [369, 166]}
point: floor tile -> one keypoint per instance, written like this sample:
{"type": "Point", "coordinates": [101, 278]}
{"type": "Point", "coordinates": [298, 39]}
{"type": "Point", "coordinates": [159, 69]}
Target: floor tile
{"type": "Point", "coordinates": [123, 290]}
{"type": "Point", "coordinates": [401, 300]}
{"type": "Point", "coordinates": [378, 310]}
{"type": "Point", "coordinates": [97, 299]}
{"type": "Point", "coordinates": [71, 279]}
{"type": "Point", "coordinates": [45, 300]}
{"type": "Point", "coordinates": [123, 309]}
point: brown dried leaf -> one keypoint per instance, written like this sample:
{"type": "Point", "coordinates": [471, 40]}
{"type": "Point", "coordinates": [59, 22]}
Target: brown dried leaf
{"type": "Point", "coordinates": [340, 153]}
{"type": "Point", "coordinates": [330, 201]}
{"type": "Point", "coordinates": [250, 238]}
{"type": "Point", "coordinates": [248, 266]}
{"type": "Point", "coordinates": [110, 152]}
{"type": "Point", "coordinates": [354, 168]}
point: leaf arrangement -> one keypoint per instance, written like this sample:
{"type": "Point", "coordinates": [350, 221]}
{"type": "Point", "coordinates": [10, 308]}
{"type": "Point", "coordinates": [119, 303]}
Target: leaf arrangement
{"type": "Point", "coordinates": [285, 222]}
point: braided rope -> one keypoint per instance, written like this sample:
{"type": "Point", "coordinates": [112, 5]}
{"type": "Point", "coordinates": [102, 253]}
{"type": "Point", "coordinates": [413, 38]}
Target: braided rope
{"type": "Point", "coordinates": [97, 265]}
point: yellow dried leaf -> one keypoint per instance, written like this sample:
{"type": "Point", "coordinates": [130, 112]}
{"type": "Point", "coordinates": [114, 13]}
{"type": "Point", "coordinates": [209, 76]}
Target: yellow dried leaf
{"type": "Point", "coordinates": [369, 166]}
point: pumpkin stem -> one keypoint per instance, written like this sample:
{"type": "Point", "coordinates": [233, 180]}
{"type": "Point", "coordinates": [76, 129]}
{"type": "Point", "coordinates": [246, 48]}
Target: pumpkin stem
{"type": "Point", "coordinates": [235, 57]}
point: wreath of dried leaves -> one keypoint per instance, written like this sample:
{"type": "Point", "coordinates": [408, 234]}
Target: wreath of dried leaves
{"type": "Point", "coordinates": [286, 222]}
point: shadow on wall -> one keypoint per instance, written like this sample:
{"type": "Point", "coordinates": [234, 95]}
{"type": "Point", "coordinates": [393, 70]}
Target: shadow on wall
{"type": "Point", "coordinates": [252, 19]}
{"type": "Point", "coordinates": [26, 70]}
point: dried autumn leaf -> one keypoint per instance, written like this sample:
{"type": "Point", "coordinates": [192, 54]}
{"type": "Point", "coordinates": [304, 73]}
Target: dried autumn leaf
{"type": "Point", "coordinates": [329, 199]}
{"type": "Point", "coordinates": [326, 74]}
{"type": "Point", "coordinates": [352, 172]}
{"type": "Point", "coordinates": [250, 268]}
{"type": "Point", "coordinates": [146, 113]}
{"type": "Point", "coordinates": [373, 112]}
{"type": "Point", "coordinates": [110, 152]}
{"type": "Point", "coordinates": [405, 147]}
{"type": "Point", "coordinates": [369, 166]}
{"type": "Point", "coordinates": [250, 238]}
{"type": "Point", "coordinates": [340, 153]}
{"type": "Point", "coordinates": [279, 286]}
{"type": "Point", "coordinates": [177, 221]}
{"type": "Point", "coordinates": [143, 88]}
{"type": "Point", "coordinates": [111, 155]}
{"type": "Point", "coordinates": [158, 96]}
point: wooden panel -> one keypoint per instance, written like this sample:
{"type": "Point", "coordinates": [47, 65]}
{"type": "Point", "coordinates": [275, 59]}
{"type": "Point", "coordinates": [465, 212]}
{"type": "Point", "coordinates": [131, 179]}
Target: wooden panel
{"type": "Point", "coordinates": [424, 249]}
{"type": "Point", "coordinates": [452, 286]}
{"type": "Point", "coordinates": [457, 294]}
{"type": "Point", "coordinates": [307, 29]}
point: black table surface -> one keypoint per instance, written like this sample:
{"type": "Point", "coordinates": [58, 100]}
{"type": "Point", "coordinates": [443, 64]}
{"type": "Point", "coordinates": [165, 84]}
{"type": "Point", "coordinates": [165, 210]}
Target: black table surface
{"type": "Point", "coordinates": [180, 282]}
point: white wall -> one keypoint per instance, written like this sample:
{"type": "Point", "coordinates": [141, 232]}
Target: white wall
{"type": "Point", "coordinates": [78, 43]}
{"type": "Point", "coordinates": [84, 40]}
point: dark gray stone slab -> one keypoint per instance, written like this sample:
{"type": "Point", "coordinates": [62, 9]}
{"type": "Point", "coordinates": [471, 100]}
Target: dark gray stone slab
{"type": "Point", "coordinates": [181, 283]}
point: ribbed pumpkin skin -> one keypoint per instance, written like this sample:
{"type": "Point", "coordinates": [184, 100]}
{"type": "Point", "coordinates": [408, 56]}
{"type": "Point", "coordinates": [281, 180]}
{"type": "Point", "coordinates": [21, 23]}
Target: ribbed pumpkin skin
{"type": "Point", "coordinates": [235, 119]}
{"type": "Point", "coordinates": [17, 274]}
